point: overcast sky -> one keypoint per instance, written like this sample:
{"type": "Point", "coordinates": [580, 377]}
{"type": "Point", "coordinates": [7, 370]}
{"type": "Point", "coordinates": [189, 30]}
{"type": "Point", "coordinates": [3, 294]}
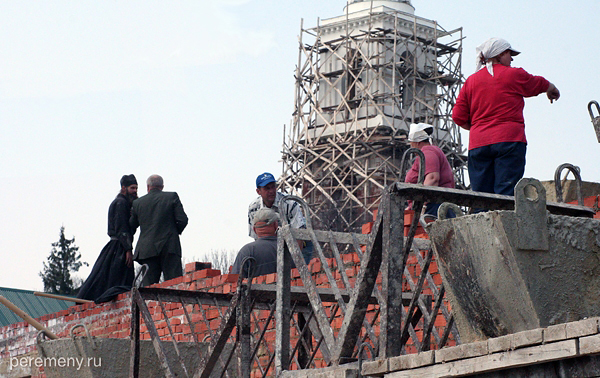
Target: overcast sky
{"type": "Point", "coordinates": [199, 92]}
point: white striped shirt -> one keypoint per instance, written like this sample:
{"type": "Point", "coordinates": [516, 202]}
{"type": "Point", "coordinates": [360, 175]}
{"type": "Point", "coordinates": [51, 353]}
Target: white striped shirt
{"type": "Point", "coordinates": [294, 211]}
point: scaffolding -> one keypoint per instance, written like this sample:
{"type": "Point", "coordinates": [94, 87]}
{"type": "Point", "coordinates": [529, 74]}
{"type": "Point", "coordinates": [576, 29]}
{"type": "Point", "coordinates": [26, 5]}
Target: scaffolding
{"type": "Point", "coordinates": [361, 80]}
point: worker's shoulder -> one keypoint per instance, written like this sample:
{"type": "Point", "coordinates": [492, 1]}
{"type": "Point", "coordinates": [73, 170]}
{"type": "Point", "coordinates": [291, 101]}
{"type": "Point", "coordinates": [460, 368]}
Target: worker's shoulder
{"type": "Point", "coordinates": [255, 204]}
{"type": "Point", "coordinates": [169, 194]}
{"type": "Point", "coordinates": [431, 149]}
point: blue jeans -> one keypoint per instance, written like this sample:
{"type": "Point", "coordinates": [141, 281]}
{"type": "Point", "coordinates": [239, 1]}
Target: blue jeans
{"type": "Point", "coordinates": [497, 168]}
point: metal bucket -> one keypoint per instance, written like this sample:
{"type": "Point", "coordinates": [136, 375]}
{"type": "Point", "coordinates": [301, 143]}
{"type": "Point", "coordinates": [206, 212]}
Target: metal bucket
{"type": "Point", "coordinates": [109, 358]}
{"type": "Point", "coordinates": [510, 271]}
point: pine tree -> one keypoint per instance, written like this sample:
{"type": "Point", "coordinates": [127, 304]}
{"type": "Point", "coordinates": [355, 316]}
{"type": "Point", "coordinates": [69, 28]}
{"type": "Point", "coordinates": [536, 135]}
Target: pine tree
{"type": "Point", "coordinates": [64, 259]}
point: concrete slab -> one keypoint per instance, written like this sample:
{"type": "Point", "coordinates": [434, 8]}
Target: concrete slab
{"type": "Point", "coordinates": [375, 368]}
{"type": "Point", "coordinates": [411, 361]}
{"type": "Point", "coordinates": [582, 328]}
{"type": "Point", "coordinates": [589, 344]}
{"type": "Point", "coordinates": [499, 344]}
{"type": "Point", "coordinates": [555, 333]}
{"type": "Point", "coordinates": [344, 371]}
{"type": "Point", "coordinates": [492, 362]}
{"type": "Point", "coordinates": [527, 338]}
{"type": "Point", "coordinates": [461, 351]}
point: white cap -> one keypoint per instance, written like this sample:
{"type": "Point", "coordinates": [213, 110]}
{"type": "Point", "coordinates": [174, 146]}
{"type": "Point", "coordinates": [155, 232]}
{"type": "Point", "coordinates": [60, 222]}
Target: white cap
{"type": "Point", "coordinates": [419, 132]}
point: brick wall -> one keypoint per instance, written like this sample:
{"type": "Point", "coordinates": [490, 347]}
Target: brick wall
{"type": "Point", "coordinates": [112, 319]}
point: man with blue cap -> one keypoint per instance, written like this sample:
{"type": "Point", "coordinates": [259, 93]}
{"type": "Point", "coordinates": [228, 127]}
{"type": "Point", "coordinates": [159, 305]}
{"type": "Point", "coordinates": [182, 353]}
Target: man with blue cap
{"type": "Point", "coordinates": [268, 196]}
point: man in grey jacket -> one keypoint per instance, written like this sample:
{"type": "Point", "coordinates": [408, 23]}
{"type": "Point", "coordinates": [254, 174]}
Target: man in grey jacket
{"type": "Point", "coordinates": [161, 219]}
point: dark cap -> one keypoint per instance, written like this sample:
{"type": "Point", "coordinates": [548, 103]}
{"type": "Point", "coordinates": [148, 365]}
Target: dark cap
{"type": "Point", "coordinates": [128, 180]}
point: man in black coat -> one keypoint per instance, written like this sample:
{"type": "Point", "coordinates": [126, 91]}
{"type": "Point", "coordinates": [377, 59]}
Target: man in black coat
{"type": "Point", "coordinates": [161, 219]}
{"type": "Point", "coordinates": [113, 273]}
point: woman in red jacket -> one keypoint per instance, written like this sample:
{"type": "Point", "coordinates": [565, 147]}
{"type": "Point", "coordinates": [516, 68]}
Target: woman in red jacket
{"type": "Point", "coordinates": [490, 105]}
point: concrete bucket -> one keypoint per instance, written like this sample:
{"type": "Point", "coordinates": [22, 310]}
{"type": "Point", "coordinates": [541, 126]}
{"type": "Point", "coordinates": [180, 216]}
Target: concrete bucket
{"type": "Point", "coordinates": [510, 271]}
{"type": "Point", "coordinates": [110, 358]}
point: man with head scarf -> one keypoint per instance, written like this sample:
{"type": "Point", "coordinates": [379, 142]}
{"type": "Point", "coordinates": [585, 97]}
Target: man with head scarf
{"type": "Point", "coordinates": [490, 105]}
{"type": "Point", "coordinates": [437, 169]}
{"type": "Point", "coordinates": [112, 273]}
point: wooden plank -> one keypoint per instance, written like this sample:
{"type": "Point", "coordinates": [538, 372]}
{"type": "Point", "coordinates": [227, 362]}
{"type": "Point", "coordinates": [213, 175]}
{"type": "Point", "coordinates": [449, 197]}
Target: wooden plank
{"type": "Point", "coordinates": [363, 289]}
{"type": "Point", "coordinates": [134, 349]}
{"type": "Point", "coordinates": [263, 294]}
{"type": "Point", "coordinates": [309, 285]}
{"type": "Point", "coordinates": [158, 347]}
{"type": "Point", "coordinates": [61, 297]}
{"type": "Point", "coordinates": [173, 339]}
{"type": "Point", "coordinates": [494, 362]}
{"type": "Point", "coordinates": [392, 270]}
{"type": "Point", "coordinates": [346, 281]}
{"type": "Point", "coordinates": [217, 344]}
{"type": "Point", "coordinates": [282, 308]}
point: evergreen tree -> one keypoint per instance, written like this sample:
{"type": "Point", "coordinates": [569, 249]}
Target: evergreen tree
{"type": "Point", "coordinates": [64, 259]}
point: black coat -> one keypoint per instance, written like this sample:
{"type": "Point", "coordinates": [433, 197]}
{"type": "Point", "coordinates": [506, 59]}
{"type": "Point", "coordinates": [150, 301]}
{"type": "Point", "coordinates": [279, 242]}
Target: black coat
{"type": "Point", "coordinates": [161, 219]}
{"type": "Point", "coordinates": [110, 275]}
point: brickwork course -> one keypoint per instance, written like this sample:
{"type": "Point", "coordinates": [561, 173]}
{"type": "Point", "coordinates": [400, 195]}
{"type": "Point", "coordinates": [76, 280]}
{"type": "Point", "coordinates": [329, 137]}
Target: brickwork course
{"type": "Point", "coordinates": [113, 319]}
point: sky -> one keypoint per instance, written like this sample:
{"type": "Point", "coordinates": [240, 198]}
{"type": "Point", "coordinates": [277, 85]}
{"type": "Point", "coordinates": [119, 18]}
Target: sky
{"type": "Point", "coordinates": [199, 92]}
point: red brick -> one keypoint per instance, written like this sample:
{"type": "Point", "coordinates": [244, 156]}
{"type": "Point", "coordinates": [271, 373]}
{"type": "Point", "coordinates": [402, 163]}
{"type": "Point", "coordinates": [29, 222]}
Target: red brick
{"type": "Point", "coordinates": [214, 324]}
{"type": "Point", "coordinates": [295, 273]}
{"type": "Point", "coordinates": [194, 266]}
{"type": "Point", "coordinates": [177, 312]}
{"type": "Point", "coordinates": [367, 227]}
{"type": "Point", "coordinates": [316, 266]}
{"type": "Point", "coordinates": [205, 273]}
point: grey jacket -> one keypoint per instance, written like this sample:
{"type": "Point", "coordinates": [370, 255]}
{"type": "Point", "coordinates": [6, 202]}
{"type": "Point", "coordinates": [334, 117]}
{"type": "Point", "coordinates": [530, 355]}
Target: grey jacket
{"type": "Point", "coordinates": [161, 219]}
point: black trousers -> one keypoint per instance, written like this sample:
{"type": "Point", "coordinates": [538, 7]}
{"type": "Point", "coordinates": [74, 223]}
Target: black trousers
{"type": "Point", "coordinates": [168, 264]}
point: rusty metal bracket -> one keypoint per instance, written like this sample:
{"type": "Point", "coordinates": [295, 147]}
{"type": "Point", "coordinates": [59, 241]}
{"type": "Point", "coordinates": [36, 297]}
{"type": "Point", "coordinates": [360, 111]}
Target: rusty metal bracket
{"type": "Point", "coordinates": [407, 153]}
{"type": "Point", "coordinates": [532, 218]}
{"type": "Point", "coordinates": [445, 206]}
{"type": "Point", "coordinates": [595, 119]}
{"type": "Point", "coordinates": [558, 185]}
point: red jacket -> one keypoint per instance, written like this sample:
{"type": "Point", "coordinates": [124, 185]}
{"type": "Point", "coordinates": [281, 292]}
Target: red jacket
{"type": "Point", "coordinates": [493, 105]}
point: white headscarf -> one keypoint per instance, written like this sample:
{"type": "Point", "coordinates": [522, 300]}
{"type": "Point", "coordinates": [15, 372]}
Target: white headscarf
{"type": "Point", "coordinates": [418, 133]}
{"type": "Point", "coordinates": [489, 49]}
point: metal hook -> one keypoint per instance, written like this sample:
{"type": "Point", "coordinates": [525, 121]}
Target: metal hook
{"type": "Point", "coordinates": [250, 262]}
{"type": "Point", "coordinates": [37, 338]}
{"type": "Point", "coordinates": [141, 274]}
{"type": "Point", "coordinates": [305, 210]}
{"type": "Point", "coordinates": [444, 207]}
{"type": "Point", "coordinates": [87, 333]}
{"type": "Point", "coordinates": [558, 186]}
{"type": "Point", "coordinates": [591, 111]}
{"type": "Point", "coordinates": [407, 153]}
{"type": "Point", "coordinates": [360, 354]}
{"type": "Point", "coordinates": [595, 120]}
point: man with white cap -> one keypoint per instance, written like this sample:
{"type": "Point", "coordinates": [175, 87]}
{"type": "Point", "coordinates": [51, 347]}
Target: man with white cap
{"type": "Point", "coordinates": [437, 169]}
{"type": "Point", "coordinates": [490, 105]}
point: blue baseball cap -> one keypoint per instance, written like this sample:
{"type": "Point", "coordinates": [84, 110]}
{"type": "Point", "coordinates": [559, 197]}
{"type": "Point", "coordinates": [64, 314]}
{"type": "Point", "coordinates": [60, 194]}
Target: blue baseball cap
{"type": "Point", "coordinates": [264, 179]}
